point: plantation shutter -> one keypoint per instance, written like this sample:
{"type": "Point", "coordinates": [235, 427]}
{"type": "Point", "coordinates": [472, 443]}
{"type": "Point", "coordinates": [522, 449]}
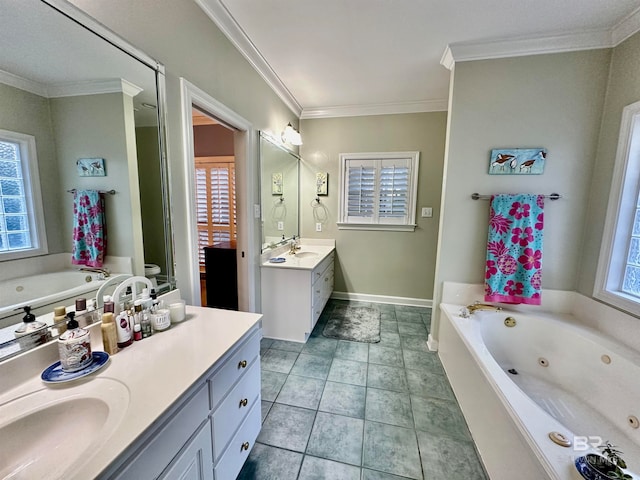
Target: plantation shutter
{"type": "Point", "coordinates": [361, 191]}
{"type": "Point", "coordinates": [215, 203]}
{"type": "Point", "coordinates": [394, 190]}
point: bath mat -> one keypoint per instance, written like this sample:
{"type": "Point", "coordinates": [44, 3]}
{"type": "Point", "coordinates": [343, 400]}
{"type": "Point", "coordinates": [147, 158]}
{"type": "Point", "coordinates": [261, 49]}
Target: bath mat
{"type": "Point", "coordinates": [358, 324]}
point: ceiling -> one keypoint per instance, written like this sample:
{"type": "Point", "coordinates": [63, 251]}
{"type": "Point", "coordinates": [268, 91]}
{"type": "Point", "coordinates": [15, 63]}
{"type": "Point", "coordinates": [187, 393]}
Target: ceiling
{"type": "Point", "coordinates": [355, 57]}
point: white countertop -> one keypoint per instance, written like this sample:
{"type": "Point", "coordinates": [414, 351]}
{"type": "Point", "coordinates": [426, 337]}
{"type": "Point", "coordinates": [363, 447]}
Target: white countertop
{"type": "Point", "coordinates": [156, 371]}
{"type": "Point", "coordinates": [301, 262]}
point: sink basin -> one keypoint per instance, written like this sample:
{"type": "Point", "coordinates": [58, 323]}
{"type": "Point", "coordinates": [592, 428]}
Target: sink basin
{"type": "Point", "coordinates": [48, 432]}
{"type": "Point", "coordinates": [306, 254]}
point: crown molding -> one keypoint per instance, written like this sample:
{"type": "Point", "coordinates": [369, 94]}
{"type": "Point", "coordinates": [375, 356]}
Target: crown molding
{"type": "Point", "coordinates": [218, 12]}
{"type": "Point", "coordinates": [626, 27]}
{"type": "Point", "coordinates": [447, 60]}
{"type": "Point", "coordinates": [375, 109]}
{"type": "Point", "coordinates": [23, 83]}
{"type": "Point", "coordinates": [74, 89]}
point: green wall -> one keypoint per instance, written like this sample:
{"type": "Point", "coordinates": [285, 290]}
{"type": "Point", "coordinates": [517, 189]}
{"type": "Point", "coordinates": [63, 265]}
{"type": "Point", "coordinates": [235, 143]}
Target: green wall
{"type": "Point", "coordinates": [399, 264]}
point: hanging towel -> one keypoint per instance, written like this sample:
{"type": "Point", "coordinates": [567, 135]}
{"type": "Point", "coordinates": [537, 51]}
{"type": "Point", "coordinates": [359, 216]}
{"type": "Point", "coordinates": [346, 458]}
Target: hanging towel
{"type": "Point", "coordinates": [513, 271]}
{"type": "Point", "coordinates": [89, 229]}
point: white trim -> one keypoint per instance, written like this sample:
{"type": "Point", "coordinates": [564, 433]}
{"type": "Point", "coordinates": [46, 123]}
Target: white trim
{"type": "Point", "coordinates": [365, 297]}
{"type": "Point", "coordinates": [218, 12]}
{"type": "Point", "coordinates": [376, 226]}
{"type": "Point", "coordinates": [447, 60]}
{"type": "Point", "coordinates": [626, 27]}
{"type": "Point", "coordinates": [247, 269]}
{"type": "Point", "coordinates": [624, 183]}
{"type": "Point", "coordinates": [432, 343]}
{"type": "Point", "coordinates": [436, 105]}
{"type": "Point", "coordinates": [23, 83]}
{"type": "Point", "coordinates": [93, 87]}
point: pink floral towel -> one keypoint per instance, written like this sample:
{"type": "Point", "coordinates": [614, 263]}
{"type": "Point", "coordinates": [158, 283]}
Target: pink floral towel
{"type": "Point", "coordinates": [89, 229]}
{"type": "Point", "coordinates": [513, 271]}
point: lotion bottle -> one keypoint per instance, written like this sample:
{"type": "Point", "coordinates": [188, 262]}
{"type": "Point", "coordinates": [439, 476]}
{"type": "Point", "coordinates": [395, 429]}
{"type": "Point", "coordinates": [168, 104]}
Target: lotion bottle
{"type": "Point", "coordinates": [74, 346]}
{"type": "Point", "coordinates": [109, 334]}
{"type": "Point", "coordinates": [123, 328]}
{"type": "Point", "coordinates": [32, 332]}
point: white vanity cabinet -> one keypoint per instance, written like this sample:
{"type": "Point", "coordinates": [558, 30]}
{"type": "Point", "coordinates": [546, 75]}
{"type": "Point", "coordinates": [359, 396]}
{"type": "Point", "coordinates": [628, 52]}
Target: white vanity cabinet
{"type": "Point", "coordinates": [294, 294]}
{"type": "Point", "coordinates": [208, 433]}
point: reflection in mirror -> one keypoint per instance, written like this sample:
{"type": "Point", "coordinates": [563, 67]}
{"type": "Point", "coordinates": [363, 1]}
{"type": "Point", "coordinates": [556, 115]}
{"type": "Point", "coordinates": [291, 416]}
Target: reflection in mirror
{"type": "Point", "coordinates": [73, 94]}
{"type": "Point", "coordinates": [279, 180]}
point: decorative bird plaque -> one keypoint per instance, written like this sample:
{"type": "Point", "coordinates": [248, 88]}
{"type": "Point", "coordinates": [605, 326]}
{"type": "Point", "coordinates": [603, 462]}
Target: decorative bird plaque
{"type": "Point", "coordinates": [517, 161]}
{"type": "Point", "coordinates": [91, 167]}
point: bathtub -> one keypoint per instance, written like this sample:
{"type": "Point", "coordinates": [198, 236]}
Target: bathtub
{"type": "Point", "coordinates": [48, 290]}
{"type": "Point", "coordinates": [565, 378]}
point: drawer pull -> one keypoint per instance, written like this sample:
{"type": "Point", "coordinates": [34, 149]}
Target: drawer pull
{"type": "Point", "coordinates": [243, 402]}
{"type": "Point", "coordinates": [242, 364]}
{"type": "Point", "coordinates": [244, 446]}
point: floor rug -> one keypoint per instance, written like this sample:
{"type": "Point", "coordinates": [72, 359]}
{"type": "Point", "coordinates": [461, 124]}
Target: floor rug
{"type": "Point", "coordinates": [358, 324]}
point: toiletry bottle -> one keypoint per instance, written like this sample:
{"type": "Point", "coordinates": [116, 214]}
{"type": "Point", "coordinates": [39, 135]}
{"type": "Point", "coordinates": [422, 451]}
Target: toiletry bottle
{"type": "Point", "coordinates": [145, 323]}
{"type": "Point", "coordinates": [137, 332]}
{"type": "Point", "coordinates": [154, 300]}
{"type": "Point", "coordinates": [81, 306]}
{"type": "Point", "coordinates": [124, 330]}
{"type": "Point", "coordinates": [59, 322]}
{"type": "Point", "coordinates": [92, 315]}
{"type": "Point", "coordinates": [109, 334]}
{"type": "Point", "coordinates": [32, 332]}
{"type": "Point", "coordinates": [74, 346]}
{"type": "Point", "coordinates": [147, 301]}
{"type": "Point", "coordinates": [109, 306]}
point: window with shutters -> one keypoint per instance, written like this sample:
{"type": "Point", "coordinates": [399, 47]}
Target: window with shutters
{"type": "Point", "coordinates": [215, 202]}
{"type": "Point", "coordinates": [378, 190]}
{"type": "Point", "coordinates": [22, 231]}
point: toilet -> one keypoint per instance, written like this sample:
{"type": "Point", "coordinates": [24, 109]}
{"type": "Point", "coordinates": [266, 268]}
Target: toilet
{"type": "Point", "coordinates": [150, 271]}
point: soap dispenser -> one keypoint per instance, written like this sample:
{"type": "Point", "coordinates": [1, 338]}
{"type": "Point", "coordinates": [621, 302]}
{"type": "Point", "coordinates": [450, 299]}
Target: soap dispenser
{"type": "Point", "coordinates": [74, 346]}
{"type": "Point", "coordinates": [32, 332]}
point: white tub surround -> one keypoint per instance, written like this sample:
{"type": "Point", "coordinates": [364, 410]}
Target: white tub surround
{"type": "Point", "coordinates": [295, 292]}
{"type": "Point", "coordinates": [170, 379]}
{"type": "Point", "coordinates": [570, 378]}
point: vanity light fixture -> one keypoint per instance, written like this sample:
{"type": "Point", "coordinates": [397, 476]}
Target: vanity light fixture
{"type": "Point", "coordinates": [291, 135]}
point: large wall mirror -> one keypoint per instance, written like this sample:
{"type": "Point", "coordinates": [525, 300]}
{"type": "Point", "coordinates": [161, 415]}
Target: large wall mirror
{"type": "Point", "coordinates": [88, 101]}
{"type": "Point", "coordinates": [279, 192]}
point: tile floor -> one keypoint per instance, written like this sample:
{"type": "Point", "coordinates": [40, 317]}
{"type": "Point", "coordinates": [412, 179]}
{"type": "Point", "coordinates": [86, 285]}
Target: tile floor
{"type": "Point", "coordinates": [341, 410]}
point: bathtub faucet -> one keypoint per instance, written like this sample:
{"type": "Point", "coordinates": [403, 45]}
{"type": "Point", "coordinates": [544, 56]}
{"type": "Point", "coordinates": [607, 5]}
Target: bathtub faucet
{"type": "Point", "coordinates": [465, 312]}
{"type": "Point", "coordinates": [102, 272]}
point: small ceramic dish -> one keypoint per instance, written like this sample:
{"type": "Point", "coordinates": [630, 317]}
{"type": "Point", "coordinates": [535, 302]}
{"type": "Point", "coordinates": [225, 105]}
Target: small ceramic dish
{"type": "Point", "coordinates": [54, 373]}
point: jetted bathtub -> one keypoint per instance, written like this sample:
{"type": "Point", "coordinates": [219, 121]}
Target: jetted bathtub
{"type": "Point", "coordinates": [547, 373]}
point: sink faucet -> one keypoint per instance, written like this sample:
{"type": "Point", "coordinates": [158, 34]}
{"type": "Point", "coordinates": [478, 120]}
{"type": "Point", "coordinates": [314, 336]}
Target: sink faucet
{"type": "Point", "coordinates": [469, 310]}
{"type": "Point", "coordinates": [102, 272]}
{"type": "Point", "coordinates": [294, 246]}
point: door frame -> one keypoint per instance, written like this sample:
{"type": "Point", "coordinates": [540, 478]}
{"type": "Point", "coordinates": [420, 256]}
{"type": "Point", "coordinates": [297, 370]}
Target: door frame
{"type": "Point", "coordinates": [246, 175]}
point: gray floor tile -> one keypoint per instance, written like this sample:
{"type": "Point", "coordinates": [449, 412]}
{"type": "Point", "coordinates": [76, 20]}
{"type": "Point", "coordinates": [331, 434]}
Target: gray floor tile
{"type": "Point", "coordinates": [387, 378]}
{"type": "Point", "coordinates": [278, 360]}
{"type": "Point", "coordinates": [287, 427]}
{"type": "Point", "coordinates": [269, 463]}
{"type": "Point", "coordinates": [388, 339]}
{"type": "Point", "coordinates": [287, 346]}
{"type": "Point", "coordinates": [265, 407]}
{"type": "Point", "coordinates": [412, 342]}
{"type": "Point", "coordinates": [271, 384]}
{"type": "Point", "coordinates": [301, 392]}
{"type": "Point", "coordinates": [373, 475]}
{"type": "Point", "coordinates": [444, 457]}
{"type": "Point", "coordinates": [320, 346]}
{"type": "Point", "coordinates": [407, 316]}
{"type": "Point", "coordinates": [386, 308]}
{"type": "Point", "coordinates": [417, 360]}
{"type": "Point", "coordinates": [385, 355]}
{"type": "Point", "coordinates": [385, 406]}
{"type": "Point", "coordinates": [388, 315]}
{"type": "Point", "coordinates": [392, 449]}
{"type": "Point", "coordinates": [265, 343]}
{"type": "Point", "coordinates": [348, 371]}
{"type": "Point", "coordinates": [356, 351]}
{"type": "Point", "coordinates": [405, 328]}
{"type": "Point", "coordinates": [439, 417]}
{"type": "Point", "coordinates": [338, 438]}
{"type": "Point", "coordinates": [389, 326]}
{"type": "Point", "coordinates": [314, 468]}
{"type": "Point", "coordinates": [425, 384]}
{"type": "Point", "coordinates": [343, 399]}
{"type": "Point", "coordinates": [312, 366]}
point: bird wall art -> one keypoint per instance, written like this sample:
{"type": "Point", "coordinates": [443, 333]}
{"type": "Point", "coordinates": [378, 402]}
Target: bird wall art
{"type": "Point", "coordinates": [517, 161]}
{"type": "Point", "coordinates": [91, 167]}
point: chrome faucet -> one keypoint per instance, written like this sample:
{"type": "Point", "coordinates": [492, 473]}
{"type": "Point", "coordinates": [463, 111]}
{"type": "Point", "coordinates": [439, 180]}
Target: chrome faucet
{"type": "Point", "coordinates": [466, 312]}
{"type": "Point", "coordinates": [102, 272]}
{"type": "Point", "coordinates": [294, 246]}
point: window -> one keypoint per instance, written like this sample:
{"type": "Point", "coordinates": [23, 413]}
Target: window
{"type": "Point", "coordinates": [215, 202]}
{"type": "Point", "coordinates": [22, 232]}
{"type": "Point", "coordinates": [378, 191]}
{"type": "Point", "coordinates": [618, 276]}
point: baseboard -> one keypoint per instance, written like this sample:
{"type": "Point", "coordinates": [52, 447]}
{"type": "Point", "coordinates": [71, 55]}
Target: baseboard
{"type": "Point", "coordinates": [432, 344]}
{"type": "Point", "coordinates": [365, 297]}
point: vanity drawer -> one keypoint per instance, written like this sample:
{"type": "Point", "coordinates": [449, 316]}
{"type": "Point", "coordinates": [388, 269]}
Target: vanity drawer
{"type": "Point", "coordinates": [232, 411]}
{"type": "Point", "coordinates": [233, 369]}
{"type": "Point", "coordinates": [231, 462]}
{"type": "Point", "coordinates": [322, 266]}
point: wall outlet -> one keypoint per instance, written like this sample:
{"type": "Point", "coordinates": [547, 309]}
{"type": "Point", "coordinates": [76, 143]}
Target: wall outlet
{"type": "Point", "coordinates": [256, 210]}
{"type": "Point", "coordinates": [318, 227]}
{"type": "Point", "coordinates": [427, 212]}
{"type": "Point", "coordinates": [280, 226]}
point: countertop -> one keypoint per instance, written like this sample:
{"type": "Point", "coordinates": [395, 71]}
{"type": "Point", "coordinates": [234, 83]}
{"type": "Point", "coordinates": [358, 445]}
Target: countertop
{"type": "Point", "coordinates": [157, 371]}
{"type": "Point", "coordinates": [304, 262]}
